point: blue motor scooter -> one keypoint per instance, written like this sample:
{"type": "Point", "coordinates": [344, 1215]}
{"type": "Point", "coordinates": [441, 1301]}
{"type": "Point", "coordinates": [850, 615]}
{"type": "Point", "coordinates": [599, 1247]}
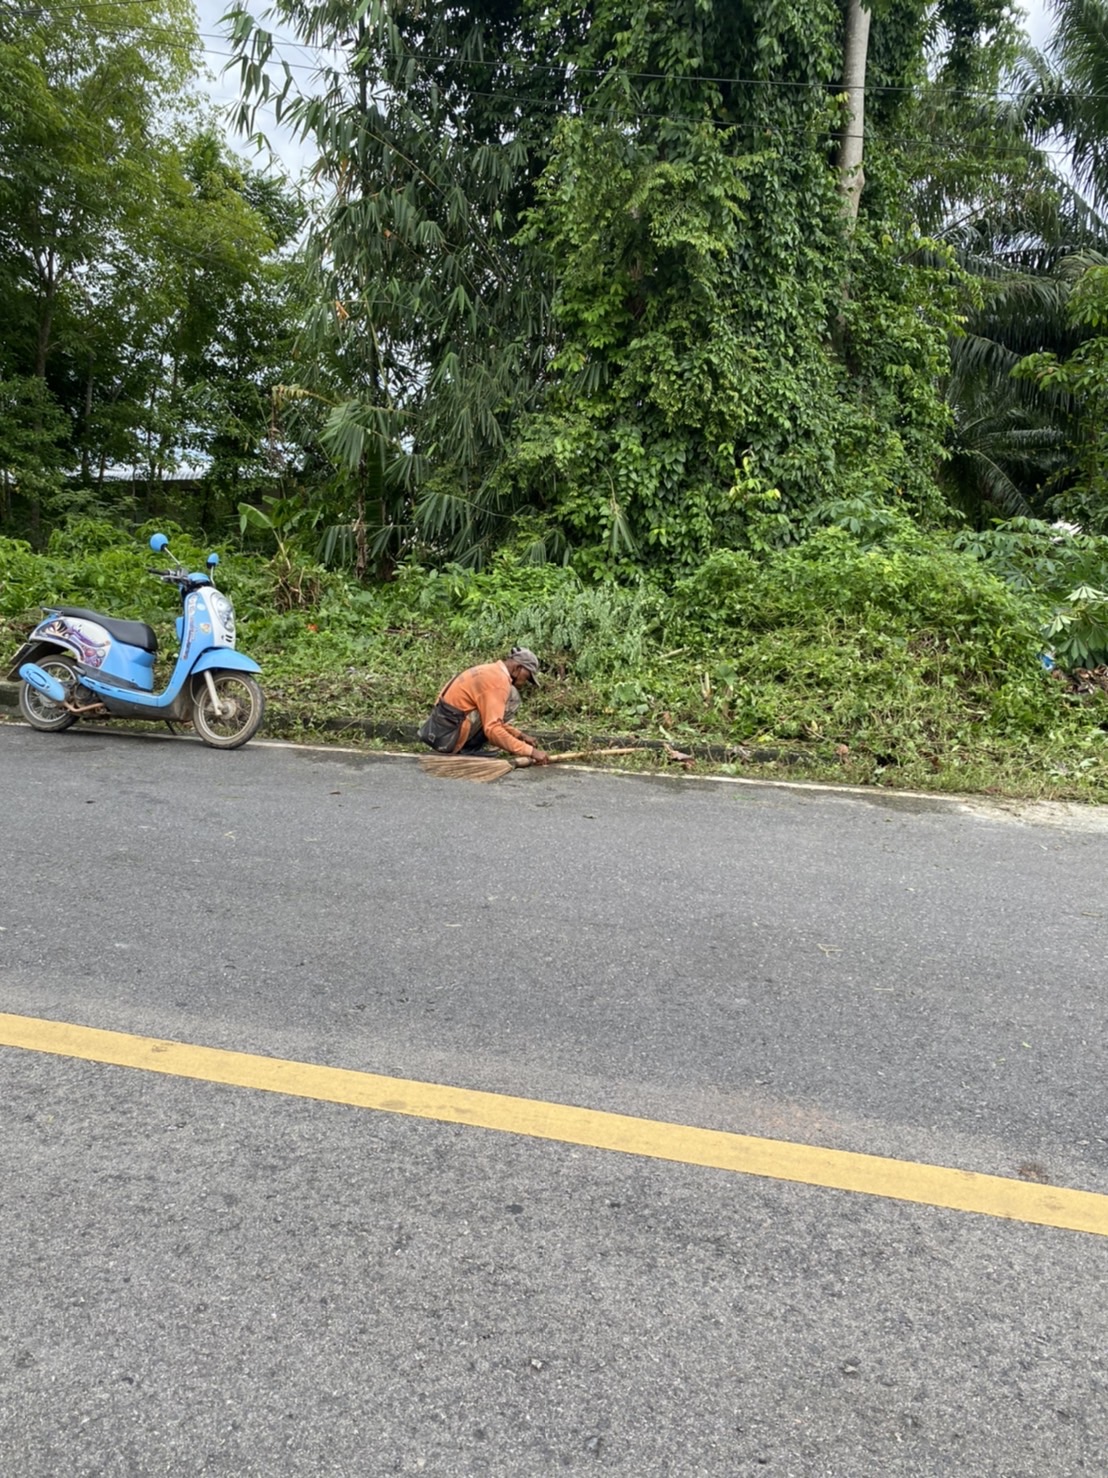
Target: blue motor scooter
{"type": "Point", "coordinates": [82, 664]}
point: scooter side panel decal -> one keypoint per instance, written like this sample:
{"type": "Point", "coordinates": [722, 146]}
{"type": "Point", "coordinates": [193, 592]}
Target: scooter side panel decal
{"type": "Point", "coordinates": [91, 642]}
{"type": "Point", "coordinates": [194, 613]}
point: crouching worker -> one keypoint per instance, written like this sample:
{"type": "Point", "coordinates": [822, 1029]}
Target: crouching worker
{"type": "Point", "coordinates": [476, 708]}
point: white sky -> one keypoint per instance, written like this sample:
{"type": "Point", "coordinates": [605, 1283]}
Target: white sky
{"type": "Point", "coordinates": [1039, 22]}
{"type": "Point", "coordinates": [223, 89]}
{"type": "Point", "coordinates": [293, 155]}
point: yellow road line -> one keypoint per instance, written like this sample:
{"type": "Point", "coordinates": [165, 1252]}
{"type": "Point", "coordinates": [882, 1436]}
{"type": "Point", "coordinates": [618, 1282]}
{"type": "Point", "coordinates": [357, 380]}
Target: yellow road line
{"type": "Point", "coordinates": [844, 1170]}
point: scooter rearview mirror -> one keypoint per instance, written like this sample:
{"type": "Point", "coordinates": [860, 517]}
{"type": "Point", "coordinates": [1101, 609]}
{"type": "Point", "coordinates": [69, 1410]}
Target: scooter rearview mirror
{"type": "Point", "coordinates": [211, 561]}
{"type": "Point", "coordinates": [158, 542]}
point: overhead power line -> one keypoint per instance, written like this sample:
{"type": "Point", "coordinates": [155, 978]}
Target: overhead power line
{"type": "Point", "coordinates": [769, 139]}
{"type": "Point", "coordinates": [833, 85]}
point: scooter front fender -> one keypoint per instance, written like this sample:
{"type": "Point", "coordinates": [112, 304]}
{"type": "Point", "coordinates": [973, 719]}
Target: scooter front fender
{"type": "Point", "coordinates": [225, 659]}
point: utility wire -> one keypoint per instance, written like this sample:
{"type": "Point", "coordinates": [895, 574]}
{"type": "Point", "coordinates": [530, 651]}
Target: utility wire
{"type": "Point", "coordinates": [534, 102]}
{"type": "Point", "coordinates": [769, 138]}
{"type": "Point", "coordinates": [451, 59]}
{"type": "Point", "coordinates": [873, 135]}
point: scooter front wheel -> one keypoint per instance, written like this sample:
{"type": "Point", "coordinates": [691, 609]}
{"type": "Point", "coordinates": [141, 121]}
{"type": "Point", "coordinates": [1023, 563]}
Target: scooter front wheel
{"type": "Point", "coordinates": [234, 717]}
{"type": "Point", "coordinates": [39, 711]}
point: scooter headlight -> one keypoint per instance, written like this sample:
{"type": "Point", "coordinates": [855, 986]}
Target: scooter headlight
{"type": "Point", "coordinates": [223, 611]}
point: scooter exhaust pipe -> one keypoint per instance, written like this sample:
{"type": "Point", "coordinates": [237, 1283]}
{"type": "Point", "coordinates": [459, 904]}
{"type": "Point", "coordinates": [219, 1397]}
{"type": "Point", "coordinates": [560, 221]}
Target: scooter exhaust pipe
{"type": "Point", "coordinates": [49, 686]}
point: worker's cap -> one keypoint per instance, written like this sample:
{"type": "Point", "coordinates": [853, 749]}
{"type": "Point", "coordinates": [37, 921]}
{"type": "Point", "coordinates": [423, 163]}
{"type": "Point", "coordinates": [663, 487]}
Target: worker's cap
{"type": "Point", "coordinates": [526, 658]}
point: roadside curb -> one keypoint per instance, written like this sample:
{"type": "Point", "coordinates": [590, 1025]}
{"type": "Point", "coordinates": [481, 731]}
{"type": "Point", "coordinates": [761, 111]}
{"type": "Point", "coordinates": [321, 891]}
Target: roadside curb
{"type": "Point", "coordinates": [555, 739]}
{"type": "Point", "coordinates": [1087, 815]}
{"type": "Point", "coordinates": [393, 733]}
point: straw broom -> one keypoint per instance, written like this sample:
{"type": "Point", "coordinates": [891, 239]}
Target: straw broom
{"type": "Point", "coordinates": [472, 767]}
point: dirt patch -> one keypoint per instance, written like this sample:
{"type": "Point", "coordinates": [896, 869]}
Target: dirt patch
{"type": "Point", "coordinates": [1071, 815]}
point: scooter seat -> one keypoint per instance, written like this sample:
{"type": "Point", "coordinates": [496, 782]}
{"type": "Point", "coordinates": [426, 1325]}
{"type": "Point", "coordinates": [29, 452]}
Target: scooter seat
{"type": "Point", "coordinates": [133, 633]}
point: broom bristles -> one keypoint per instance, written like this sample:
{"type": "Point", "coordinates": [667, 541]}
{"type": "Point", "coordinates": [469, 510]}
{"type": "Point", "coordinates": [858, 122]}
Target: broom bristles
{"type": "Point", "coordinates": [473, 767]}
{"type": "Point", "coordinates": [464, 767]}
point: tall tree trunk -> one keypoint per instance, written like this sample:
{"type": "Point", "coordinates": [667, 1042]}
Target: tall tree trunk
{"type": "Point", "coordinates": [49, 284]}
{"type": "Point", "coordinates": [851, 146]}
{"type": "Point", "coordinates": [45, 325]}
{"type": "Point", "coordinates": [165, 435]}
{"type": "Point", "coordinates": [361, 552]}
{"type": "Point", "coordinates": [86, 460]}
{"type": "Point", "coordinates": [48, 280]}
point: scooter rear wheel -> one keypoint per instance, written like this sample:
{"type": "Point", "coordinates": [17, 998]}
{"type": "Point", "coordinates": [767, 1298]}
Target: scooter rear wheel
{"type": "Point", "coordinates": [235, 718]}
{"type": "Point", "coordinates": [37, 708]}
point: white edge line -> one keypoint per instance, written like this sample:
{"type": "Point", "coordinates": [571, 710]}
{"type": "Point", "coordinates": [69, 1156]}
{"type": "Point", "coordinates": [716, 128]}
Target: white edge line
{"type": "Point", "coordinates": [969, 804]}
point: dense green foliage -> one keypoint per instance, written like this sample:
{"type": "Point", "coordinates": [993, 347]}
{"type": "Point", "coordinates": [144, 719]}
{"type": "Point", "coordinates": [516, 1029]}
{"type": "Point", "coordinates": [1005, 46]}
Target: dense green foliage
{"type": "Point", "coordinates": [577, 341]}
{"type": "Point", "coordinates": [585, 273]}
{"type": "Point", "coordinates": [144, 307]}
{"type": "Point", "coordinates": [578, 275]}
{"type": "Point", "coordinates": [894, 660]}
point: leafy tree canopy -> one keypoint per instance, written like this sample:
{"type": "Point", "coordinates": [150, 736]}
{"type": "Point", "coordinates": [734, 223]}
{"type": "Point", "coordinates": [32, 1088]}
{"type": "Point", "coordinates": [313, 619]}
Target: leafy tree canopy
{"type": "Point", "coordinates": [590, 268]}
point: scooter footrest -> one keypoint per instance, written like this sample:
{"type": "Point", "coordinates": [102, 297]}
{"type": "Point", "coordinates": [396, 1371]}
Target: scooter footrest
{"type": "Point", "coordinates": [100, 676]}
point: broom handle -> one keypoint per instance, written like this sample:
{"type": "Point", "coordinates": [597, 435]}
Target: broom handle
{"type": "Point", "coordinates": [575, 754]}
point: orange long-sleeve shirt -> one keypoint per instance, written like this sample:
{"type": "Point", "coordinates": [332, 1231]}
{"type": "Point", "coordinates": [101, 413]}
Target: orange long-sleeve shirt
{"type": "Point", "coordinates": [485, 689]}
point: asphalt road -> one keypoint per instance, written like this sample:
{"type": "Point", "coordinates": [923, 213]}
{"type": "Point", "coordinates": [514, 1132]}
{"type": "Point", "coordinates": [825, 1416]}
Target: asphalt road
{"type": "Point", "coordinates": [205, 1279]}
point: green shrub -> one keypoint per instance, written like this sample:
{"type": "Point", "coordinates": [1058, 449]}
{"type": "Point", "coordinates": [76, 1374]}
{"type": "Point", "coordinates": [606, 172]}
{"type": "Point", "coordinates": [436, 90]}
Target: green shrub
{"type": "Point", "coordinates": [877, 650]}
{"type": "Point", "coordinates": [1063, 572]}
